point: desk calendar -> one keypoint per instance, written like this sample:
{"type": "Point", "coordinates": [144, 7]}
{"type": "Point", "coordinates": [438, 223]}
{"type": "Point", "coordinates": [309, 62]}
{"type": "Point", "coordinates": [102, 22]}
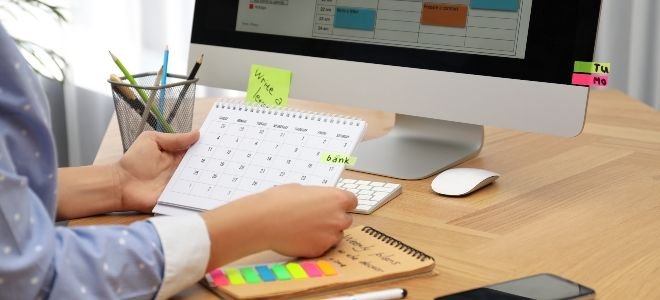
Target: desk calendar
{"type": "Point", "coordinates": [247, 149]}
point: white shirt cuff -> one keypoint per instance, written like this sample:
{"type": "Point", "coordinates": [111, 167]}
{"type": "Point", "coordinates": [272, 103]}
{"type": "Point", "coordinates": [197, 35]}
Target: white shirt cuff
{"type": "Point", "coordinates": [186, 247]}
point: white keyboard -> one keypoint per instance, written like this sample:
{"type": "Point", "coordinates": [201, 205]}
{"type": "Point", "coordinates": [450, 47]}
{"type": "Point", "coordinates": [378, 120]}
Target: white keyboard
{"type": "Point", "coordinates": [371, 194]}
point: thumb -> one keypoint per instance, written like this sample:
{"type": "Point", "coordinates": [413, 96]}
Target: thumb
{"type": "Point", "coordinates": [174, 142]}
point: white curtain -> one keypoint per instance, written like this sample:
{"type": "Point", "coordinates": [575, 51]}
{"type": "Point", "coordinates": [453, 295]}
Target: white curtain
{"type": "Point", "coordinates": [629, 38]}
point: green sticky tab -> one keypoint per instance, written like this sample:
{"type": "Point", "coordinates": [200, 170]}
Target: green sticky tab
{"type": "Point", "coordinates": [337, 158]}
{"type": "Point", "coordinates": [296, 270]}
{"type": "Point", "coordinates": [280, 272]}
{"type": "Point", "coordinates": [269, 86]}
{"type": "Point", "coordinates": [250, 275]}
{"type": "Point", "coordinates": [234, 276]}
{"type": "Point", "coordinates": [592, 67]}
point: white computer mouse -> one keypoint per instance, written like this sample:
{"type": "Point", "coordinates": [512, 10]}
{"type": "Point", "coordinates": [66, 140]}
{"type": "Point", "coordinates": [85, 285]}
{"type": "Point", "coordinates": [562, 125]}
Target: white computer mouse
{"type": "Point", "coordinates": [462, 181]}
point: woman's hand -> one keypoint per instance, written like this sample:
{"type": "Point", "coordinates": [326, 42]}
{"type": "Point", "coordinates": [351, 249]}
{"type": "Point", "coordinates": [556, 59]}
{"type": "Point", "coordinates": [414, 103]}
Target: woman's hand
{"type": "Point", "coordinates": [148, 165]}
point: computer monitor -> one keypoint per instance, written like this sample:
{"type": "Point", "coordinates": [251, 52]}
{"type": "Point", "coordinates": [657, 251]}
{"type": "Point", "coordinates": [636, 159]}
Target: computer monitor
{"type": "Point", "coordinates": [445, 67]}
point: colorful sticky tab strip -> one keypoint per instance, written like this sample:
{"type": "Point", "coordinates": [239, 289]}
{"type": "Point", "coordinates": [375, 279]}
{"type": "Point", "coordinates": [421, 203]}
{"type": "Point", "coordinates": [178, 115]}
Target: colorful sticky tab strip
{"type": "Point", "coordinates": [592, 67]}
{"type": "Point", "coordinates": [337, 158]}
{"type": "Point", "coordinates": [590, 80]}
{"type": "Point", "coordinates": [269, 86]}
{"type": "Point", "coordinates": [277, 272]}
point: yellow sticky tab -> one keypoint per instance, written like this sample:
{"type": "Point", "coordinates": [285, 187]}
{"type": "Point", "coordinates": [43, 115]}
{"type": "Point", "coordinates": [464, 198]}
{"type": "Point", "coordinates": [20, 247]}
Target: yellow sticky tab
{"type": "Point", "coordinates": [269, 86]}
{"type": "Point", "coordinates": [592, 67]}
{"type": "Point", "coordinates": [337, 158]}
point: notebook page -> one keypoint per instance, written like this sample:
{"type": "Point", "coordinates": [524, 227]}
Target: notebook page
{"type": "Point", "coordinates": [246, 149]}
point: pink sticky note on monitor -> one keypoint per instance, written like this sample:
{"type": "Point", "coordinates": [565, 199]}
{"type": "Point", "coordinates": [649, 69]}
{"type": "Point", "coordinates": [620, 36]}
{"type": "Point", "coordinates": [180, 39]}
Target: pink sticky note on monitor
{"type": "Point", "coordinates": [590, 80]}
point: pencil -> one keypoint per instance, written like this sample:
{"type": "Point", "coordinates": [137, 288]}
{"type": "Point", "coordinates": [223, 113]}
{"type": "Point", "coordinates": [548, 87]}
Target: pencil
{"type": "Point", "coordinates": [142, 94]}
{"type": "Point", "coordinates": [159, 77]}
{"type": "Point", "coordinates": [179, 99]}
{"type": "Point", "coordinates": [129, 97]}
{"type": "Point", "coordinates": [163, 80]}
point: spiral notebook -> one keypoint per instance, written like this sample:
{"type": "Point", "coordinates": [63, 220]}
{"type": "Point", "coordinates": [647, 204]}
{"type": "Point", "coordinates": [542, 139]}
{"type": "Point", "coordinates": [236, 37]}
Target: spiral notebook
{"type": "Point", "coordinates": [245, 149]}
{"type": "Point", "coordinates": [365, 255]}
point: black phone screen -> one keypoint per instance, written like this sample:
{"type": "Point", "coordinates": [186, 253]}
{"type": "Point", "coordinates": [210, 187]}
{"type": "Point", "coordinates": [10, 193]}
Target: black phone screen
{"type": "Point", "coordinates": [541, 286]}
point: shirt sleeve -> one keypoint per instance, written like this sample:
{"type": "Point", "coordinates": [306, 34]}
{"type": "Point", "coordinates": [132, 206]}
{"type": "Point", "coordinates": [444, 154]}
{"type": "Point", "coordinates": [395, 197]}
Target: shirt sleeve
{"type": "Point", "coordinates": [39, 260]}
{"type": "Point", "coordinates": [186, 246]}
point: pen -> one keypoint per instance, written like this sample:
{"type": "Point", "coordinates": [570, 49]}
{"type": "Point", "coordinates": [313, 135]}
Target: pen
{"type": "Point", "coordinates": [163, 80]}
{"type": "Point", "coordinates": [144, 97]}
{"type": "Point", "coordinates": [391, 294]}
{"type": "Point", "coordinates": [191, 76]}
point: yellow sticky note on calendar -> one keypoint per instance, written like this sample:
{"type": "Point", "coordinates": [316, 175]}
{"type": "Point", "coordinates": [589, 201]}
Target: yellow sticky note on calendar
{"type": "Point", "coordinates": [269, 86]}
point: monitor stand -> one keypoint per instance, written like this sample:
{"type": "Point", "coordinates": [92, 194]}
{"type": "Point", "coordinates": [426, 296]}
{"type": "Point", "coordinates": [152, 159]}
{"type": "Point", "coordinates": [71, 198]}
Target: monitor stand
{"type": "Point", "coordinates": [418, 147]}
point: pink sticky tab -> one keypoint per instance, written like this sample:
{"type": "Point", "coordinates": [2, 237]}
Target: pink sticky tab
{"type": "Point", "coordinates": [219, 277]}
{"type": "Point", "coordinates": [590, 80]}
{"type": "Point", "coordinates": [311, 269]}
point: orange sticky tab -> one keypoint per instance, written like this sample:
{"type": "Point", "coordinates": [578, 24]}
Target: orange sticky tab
{"type": "Point", "coordinates": [326, 268]}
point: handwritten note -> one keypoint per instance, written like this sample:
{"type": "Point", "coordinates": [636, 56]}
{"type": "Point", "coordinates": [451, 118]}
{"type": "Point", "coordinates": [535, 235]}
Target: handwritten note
{"type": "Point", "coordinates": [592, 67]}
{"type": "Point", "coordinates": [338, 158]}
{"type": "Point", "coordinates": [269, 86]}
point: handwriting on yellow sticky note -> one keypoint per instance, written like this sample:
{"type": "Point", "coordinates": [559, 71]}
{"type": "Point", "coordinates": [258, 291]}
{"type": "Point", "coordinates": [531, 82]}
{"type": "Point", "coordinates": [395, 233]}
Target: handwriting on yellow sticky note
{"type": "Point", "coordinates": [338, 158]}
{"type": "Point", "coordinates": [268, 86]}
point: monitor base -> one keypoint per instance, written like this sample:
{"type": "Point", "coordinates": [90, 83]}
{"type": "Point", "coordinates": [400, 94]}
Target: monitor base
{"type": "Point", "coordinates": [418, 147]}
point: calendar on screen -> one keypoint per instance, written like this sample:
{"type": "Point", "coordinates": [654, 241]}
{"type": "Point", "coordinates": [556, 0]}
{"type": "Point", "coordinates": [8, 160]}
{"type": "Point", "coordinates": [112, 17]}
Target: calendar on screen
{"type": "Point", "coordinates": [246, 149]}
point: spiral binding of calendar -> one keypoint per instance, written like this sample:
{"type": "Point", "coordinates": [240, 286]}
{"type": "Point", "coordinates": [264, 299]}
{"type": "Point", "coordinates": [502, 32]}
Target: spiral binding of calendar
{"type": "Point", "coordinates": [397, 244]}
{"type": "Point", "coordinates": [238, 104]}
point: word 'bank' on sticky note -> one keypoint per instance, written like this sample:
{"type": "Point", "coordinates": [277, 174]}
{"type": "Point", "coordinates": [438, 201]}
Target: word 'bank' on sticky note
{"type": "Point", "coordinates": [338, 158]}
{"type": "Point", "coordinates": [268, 86]}
{"type": "Point", "coordinates": [592, 67]}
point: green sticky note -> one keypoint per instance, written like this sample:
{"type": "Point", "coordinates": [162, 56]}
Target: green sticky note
{"type": "Point", "coordinates": [296, 270]}
{"type": "Point", "coordinates": [269, 86]}
{"type": "Point", "coordinates": [337, 158]}
{"type": "Point", "coordinates": [592, 67]}
{"type": "Point", "coordinates": [280, 272]}
{"type": "Point", "coordinates": [250, 275]}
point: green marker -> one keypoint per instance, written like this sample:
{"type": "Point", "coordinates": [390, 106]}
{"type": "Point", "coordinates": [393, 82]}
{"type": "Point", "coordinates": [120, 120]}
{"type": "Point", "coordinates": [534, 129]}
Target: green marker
{"type": "Point", "coordinates": [143, 95]}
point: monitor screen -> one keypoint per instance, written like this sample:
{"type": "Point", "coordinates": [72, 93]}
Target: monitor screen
{"type": "Point", "coordinates": [445, 67]}
{"type": "Point", "coordinates": [517, 39]}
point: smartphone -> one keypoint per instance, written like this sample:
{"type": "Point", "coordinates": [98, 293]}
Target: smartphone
{"type": "Point", "coordinates": [541, 286]}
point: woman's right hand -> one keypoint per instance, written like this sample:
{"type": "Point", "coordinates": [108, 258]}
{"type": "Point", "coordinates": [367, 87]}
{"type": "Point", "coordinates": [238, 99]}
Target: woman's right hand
{"type": "Point", "coordinates": [294, 220]}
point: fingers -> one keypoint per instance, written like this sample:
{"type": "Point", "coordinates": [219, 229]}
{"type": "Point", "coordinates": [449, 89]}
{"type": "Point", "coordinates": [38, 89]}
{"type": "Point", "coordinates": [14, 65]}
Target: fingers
{"type": "Point", "coordinates": [174, 142]}
{"type": "Point", "coordinates": [349, 200]}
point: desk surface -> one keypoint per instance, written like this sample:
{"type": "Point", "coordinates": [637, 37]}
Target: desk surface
{"type": "Point", "coordinates": [587, 208]}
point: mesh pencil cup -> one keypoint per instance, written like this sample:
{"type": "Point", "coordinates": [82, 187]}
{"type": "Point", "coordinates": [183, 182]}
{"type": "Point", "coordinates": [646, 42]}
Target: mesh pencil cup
{"type": "Point", "coordinates": [171, 109]}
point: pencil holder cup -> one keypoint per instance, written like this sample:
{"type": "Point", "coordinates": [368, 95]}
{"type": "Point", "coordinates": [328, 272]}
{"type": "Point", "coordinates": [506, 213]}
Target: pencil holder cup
{"type": "Point", "coordinates": [171, 108]}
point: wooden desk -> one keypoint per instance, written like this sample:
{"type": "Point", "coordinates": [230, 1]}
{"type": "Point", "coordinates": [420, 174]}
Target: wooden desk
{"type": "Point", "coordinates": [587, 208]}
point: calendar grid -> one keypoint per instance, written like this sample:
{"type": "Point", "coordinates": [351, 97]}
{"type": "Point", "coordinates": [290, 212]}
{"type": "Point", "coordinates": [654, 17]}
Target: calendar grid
{"type": "Point", "coordinates": [246, 149]}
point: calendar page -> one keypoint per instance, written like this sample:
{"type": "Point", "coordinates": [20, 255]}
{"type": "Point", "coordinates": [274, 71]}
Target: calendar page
{"type": "Point", "coordinates": [247, 149]}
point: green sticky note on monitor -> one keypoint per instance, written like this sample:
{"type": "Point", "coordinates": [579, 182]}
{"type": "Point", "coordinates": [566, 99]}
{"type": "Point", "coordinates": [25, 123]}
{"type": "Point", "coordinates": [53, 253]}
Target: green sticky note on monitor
{"type": "Point", "coordinates": [592, 67]}
{"type": "Point", "coordinates": [269, 86]}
